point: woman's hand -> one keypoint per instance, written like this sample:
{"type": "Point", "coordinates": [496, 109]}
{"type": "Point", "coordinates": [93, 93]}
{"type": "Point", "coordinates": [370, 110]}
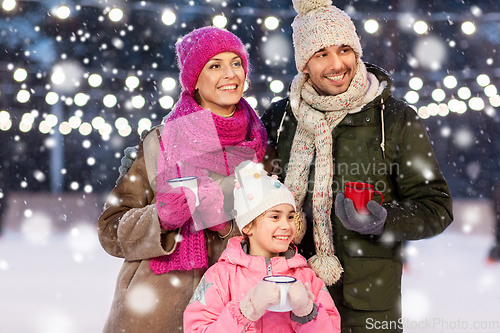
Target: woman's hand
{"type": "Point", "coordinates": [175, 206]}
{"type": "Point", "coordinates": [211, 206]}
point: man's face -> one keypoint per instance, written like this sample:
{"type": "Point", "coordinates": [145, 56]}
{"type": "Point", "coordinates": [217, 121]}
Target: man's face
{"type": "Point", "coordinates": [332, 69]}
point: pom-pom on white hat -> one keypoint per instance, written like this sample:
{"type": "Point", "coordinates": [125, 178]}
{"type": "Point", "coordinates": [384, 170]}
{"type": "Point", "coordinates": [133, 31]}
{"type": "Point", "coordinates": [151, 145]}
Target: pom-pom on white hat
{"type": "Point", "coordinates": [255, 192]}
{"type": "Point", "coordinates": [319, 25]}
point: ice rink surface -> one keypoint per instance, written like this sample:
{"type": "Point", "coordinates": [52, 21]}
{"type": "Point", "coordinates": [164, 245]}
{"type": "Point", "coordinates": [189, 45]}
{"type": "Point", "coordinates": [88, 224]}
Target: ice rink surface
{"type": "Point", "coordinates": [64, 283]}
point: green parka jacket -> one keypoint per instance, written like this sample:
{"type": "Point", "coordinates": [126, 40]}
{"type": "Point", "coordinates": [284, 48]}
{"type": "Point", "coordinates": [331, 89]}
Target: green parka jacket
{"type": "Point", "coordinates": [416, 197]}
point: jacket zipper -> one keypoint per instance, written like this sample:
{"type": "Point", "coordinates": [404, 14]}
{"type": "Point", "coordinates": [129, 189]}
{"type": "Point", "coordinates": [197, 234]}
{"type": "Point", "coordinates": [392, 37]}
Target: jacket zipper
{"type": "Point", "coordinates": [269, 270]}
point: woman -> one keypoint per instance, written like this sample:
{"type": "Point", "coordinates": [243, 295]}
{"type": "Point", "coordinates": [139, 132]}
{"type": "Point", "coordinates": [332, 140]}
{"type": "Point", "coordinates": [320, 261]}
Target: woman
{"type": "Point", "coordinates": [166, 240]}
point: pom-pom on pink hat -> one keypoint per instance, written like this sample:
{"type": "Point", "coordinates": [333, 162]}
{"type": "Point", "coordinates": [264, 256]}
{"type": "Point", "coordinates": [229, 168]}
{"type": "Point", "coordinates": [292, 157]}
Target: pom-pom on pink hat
{"type": "Point", "coordinates": [200, 45]}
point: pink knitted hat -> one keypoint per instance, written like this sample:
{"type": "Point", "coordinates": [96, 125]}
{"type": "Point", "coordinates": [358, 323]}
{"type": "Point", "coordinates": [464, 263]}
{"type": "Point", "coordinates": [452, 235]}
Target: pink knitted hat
{"type": "Point", "coordinates": [197, 47]}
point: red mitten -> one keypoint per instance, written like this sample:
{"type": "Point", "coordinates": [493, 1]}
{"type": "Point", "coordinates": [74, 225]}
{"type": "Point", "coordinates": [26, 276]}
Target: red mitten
{"type": "Point", "coordinates": [301, 298]}
{"type": "Point", "coordinates": [258, 299]}
{"type": "Point", "coordinates": [174, 206]}
{"type": "Point", "coordinates": [211, 206]}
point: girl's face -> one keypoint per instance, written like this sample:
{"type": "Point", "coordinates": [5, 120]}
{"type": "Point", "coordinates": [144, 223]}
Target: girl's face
{"type": "Point", "coordinates": [221, 82]}
{"type": "Point", "coordinates": [271, 233]}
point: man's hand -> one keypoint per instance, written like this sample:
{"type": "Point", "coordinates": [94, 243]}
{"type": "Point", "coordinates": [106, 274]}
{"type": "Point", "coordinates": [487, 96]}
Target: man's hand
{"type": "Point", "coordinates": [369, 224]}
{"type": "Point", "coordinates": [126, 161]}
{"type": "Point", "coordinates": [129, 158]}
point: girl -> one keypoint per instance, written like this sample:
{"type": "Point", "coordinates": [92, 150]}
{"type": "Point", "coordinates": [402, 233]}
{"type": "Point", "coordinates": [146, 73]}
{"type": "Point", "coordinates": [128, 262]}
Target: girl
{"type": "Point", "coordinates": [233, 297]}
{"type": "Point", "coordinates": [167, 240]}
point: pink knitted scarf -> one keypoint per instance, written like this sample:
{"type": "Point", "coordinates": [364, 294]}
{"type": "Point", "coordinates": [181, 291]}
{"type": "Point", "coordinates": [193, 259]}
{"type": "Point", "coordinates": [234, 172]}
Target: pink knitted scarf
{"type": "Point", "coordinates": [194, 142]}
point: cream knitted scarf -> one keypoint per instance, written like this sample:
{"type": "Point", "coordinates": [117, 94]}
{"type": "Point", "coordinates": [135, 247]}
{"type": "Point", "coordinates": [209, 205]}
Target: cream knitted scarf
{"type": "Point", "coordinates": [317, 116]}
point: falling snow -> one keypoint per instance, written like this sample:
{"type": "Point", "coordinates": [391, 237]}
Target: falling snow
{"type": "Point", "coordinates": [79, 83]}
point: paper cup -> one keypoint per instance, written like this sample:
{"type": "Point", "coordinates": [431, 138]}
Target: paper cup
{"type": "Point", "coordinates": [189, 182]}
{"type": "Point", "coordinates": [284, 283]}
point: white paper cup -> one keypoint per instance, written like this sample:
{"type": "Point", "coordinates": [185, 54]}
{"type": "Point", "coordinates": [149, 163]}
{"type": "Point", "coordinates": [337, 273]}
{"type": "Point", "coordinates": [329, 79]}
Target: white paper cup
{"type": "Point", "coordinates": [190, 182]}
{"type": "Point", "coordinates": [284, 283]}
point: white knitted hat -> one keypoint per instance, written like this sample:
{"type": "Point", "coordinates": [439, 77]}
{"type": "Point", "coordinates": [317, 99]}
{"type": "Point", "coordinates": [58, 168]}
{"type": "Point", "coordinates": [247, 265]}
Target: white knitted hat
{"type": "Point", "coordinates": [319, 25]}
{"type": "Point", "coordinates": [255, 192]}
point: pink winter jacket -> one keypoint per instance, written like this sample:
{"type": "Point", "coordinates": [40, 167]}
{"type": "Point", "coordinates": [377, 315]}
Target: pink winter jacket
{"type": "Point", "coordinates": [215, 306]}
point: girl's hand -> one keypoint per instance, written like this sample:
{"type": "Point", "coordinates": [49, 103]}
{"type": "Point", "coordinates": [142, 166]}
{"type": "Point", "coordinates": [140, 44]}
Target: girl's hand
{"type": "Point", "coordinates": [258, 299]}
{"type": "Point", "coordinates": [301, 298]}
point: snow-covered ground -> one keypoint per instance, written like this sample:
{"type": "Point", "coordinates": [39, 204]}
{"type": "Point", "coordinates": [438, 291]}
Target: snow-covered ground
{"type": "Point", "coordinates": [64, 282]}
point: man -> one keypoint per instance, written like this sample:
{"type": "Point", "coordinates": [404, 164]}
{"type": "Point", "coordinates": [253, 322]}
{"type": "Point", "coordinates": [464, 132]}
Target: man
{"type": "Point", "coordinates": [342, 124]}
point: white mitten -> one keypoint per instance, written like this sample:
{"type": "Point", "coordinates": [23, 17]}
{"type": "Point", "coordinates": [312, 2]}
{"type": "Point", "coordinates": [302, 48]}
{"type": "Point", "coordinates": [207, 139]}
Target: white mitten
{"type": "Point", "coordinates": [301, 299]}
{"type": "Point", "coordinates": [258, 299]}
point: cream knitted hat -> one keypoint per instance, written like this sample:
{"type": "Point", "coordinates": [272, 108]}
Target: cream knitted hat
{"type": "Point", "coordinates": [318, 25]}
{"type": "Point", "coordinates": [255, 192]}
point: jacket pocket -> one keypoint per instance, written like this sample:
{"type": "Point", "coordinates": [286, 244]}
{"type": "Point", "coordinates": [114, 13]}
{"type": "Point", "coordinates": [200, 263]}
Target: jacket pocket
{"type": "Point", "coordinates": [369, 275]}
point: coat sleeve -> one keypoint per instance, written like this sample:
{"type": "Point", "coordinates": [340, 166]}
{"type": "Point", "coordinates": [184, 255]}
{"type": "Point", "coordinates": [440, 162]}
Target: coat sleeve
{"type": "Point", "coordinates": [424, 206]}
{"type": "Point", "coordinates": [211, 310]}
{"type": "Point", "coordinates": [328, 317]}
{"type": "Point", "coordinates": [129, 227]}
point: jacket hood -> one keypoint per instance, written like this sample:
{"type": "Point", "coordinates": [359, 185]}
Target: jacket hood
{"type": "Point", "coordinates": [235, 255]}
{"type": "Point", "coordinates": [383, 76]}
{"type": "Point", "coordinates": [378, 102]}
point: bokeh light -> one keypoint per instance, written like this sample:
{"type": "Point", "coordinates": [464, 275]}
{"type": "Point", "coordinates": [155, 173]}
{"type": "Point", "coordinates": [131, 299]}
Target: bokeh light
{"type": "Point", "coordinates": [166, 102]}
{"type": "Point", "coordinates": [219, 21]}
{"type": "Point", "coordinates": [9, 5]}
{"type": "Point", "coordinates": [420, 27]}
{"type": "Point", "coordinates": [430, 51]}
{"type": "Point", "coordinates": [271, 23]}
{"type": "Point", "coordinates": [85, 129]}
{"type": "Point", "coordinates": [74, 122]}
{"type": "Point", "coordinates": [483, 80]}
{"type": "Point", "coordinates": [98, 122]}
{"type": "Point", "coordinates": [81, 99]}
{"type": "Point", "coordinates": [476, 103]}
{"type": "Point", "coordinates": [371, 26]}
{"type": "Point", "coordinates": [468, 28]}
{"type": "Point", "coordinates": [276, 86]}
{"type": "Point", "coordinates": [109, 100]}
{"type": "Point", "coordinates": [63, 12]}
{"type": "Point", "coordinates": [51, 98]}
{"type": "Point", "coordinates": [490, 90]}
{"type": "Point", "coordinates": [20, 75]}
{"type": "Point", "coordinates": [115, 14]}
{"type": "Point", "coordinates": [168, 83]}
{"type": "Point", "coordinates": [168, 17]}
{"type": "Point", "coordinates": [23, 96]}
{"type": "Point", "coordinates": [438, 95]}
{"type": "Point", "coordinates": [464, 93]}
{"type": "Point", "coordinates": [95, 80]}
{"type": "Point", "coordinates": [416, 83]}
{"type": "Point", "coordinates": [65, 128]}
{"type": "Point", "coordinates": [132, 82]}
{"type": "Point", "coordinates": [412, 97]}
{"type": "Point", "coordinates": [450, 82]}
{"type": "Point", "coordinates": [138, 101]}
{"type": "Point", "coordinates": [252, 101]}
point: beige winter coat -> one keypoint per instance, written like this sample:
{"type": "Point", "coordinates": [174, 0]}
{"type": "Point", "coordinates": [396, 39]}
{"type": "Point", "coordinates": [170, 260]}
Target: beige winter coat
{"type": "Point", "coordinates": [129, 228]}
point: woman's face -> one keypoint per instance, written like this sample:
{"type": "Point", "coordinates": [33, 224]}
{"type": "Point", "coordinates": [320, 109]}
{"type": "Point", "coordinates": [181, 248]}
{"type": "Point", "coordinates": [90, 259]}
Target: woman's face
{"type": "Point", "coordinates": [221, 82]}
